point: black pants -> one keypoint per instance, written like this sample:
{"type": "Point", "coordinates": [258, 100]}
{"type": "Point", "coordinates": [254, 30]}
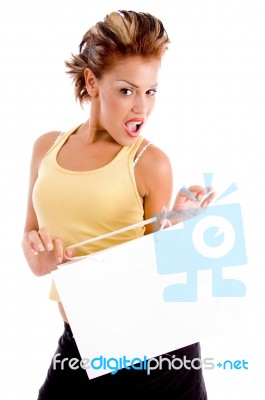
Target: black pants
{"type": "Point", "coordinates": [165, 383]}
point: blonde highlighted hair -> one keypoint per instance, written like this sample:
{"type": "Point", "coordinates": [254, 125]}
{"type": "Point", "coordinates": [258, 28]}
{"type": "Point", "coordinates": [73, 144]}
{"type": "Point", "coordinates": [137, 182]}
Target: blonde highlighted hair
{"type": "Point", "coordinates": [120, 34]}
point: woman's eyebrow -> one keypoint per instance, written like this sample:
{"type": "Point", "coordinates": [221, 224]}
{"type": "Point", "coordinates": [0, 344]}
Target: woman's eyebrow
{"type": "Point", "coordinates": [132, 84]}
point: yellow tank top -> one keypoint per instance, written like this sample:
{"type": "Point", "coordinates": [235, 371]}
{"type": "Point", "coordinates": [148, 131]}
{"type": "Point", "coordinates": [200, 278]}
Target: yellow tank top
{"type": "Point", "coordinates": [75, 206]}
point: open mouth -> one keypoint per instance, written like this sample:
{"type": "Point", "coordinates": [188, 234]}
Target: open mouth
{"type": "Point", "coordinates": [133, 127]}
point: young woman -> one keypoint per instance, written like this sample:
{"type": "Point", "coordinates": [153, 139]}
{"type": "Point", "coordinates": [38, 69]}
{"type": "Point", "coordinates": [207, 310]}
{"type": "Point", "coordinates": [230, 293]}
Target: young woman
{"type": "Point", "coordinates": [103, 175]}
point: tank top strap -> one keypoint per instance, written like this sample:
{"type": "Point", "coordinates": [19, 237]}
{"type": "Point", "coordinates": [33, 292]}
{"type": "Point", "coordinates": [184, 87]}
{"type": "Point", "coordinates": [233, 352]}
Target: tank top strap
{"type": "Point", "coordinates": [129, 150]}
{"type": "Point", "coordinates": [133, 149]}
{"type": "Point", "coordinates": [61, 138]}
{"type": "Point", "coordinates": [135, 161]}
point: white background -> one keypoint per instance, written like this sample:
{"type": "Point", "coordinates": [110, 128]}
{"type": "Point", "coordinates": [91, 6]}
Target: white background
{"type": "Point", "coordinates": [209, 118]}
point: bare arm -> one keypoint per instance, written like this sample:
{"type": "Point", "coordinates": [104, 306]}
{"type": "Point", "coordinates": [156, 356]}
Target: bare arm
{"type": "Point", "coordinates": [154, 178]}
{"type": "Point", "coordinates": [155, 181]}
{"type": "Point", "coordinates": [42, 252]}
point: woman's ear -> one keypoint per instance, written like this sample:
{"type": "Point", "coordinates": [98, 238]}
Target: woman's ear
{"type": "Point", "coordinates": [91, 83]}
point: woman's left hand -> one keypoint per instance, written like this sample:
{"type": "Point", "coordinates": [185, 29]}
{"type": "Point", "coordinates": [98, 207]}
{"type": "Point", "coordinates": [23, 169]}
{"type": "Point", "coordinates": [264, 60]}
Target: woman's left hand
{"type": "Point", "coordinates": [189, 202]}
{"type": "Point", "coordinates": [193, 197]}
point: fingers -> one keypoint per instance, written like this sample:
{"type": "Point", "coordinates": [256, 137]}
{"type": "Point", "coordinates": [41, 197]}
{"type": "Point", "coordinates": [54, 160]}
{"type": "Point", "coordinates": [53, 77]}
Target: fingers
{"type": "Point", "coordinates": [198, 192]}
{"type": "Point", "coordinates": [201, 194]}
{"type": "Point", "coordinates": [208, 199]}
{"type": "Point", "coordinates": [185, 196]}
{"type": "Point", "coordinates": [192, 193]}
{"type": "Point", "coordinates": [193, 197]}
{"type": "Point", "coordinates": [58, 250]}
{"type": "Point", "coordinates": [69, 254]}
{"type": "Point", "coordinates": [198, 189]}
{"type": "Point", "coordinates": [40, 242]}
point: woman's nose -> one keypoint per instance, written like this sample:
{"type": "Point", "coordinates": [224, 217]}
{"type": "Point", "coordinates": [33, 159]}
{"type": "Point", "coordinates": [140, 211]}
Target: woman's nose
{"type": "Point", "coordinates": [140, 105]}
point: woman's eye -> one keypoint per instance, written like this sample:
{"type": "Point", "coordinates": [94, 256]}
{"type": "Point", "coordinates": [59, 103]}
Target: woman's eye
{"type": "Point", "coordinates": [151, 92]}
{"type": "Point", "coordinates": [127, 92]}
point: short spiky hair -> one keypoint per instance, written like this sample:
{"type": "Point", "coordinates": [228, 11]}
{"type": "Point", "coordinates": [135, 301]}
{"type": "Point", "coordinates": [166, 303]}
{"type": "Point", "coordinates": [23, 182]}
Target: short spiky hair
{"type": "Point", "coordinates": [121, 33]}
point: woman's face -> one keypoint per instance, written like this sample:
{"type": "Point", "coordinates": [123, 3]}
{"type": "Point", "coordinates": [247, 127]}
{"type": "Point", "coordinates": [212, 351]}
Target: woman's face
{"type": "Point", "coordinates": [126, 97]}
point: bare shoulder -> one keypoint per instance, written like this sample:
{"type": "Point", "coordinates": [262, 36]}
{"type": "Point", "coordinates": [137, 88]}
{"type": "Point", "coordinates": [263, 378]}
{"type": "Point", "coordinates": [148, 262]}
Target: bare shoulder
{"type": "Point", "coordinates": [44, 142]}
{"type": "Point", "coordinates": [154, 160]}
{"type": "Point", "coordinates": [153, 170]}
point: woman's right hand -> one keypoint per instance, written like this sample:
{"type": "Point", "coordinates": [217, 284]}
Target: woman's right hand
{"type": "Point", "coordinates": [43, 252]}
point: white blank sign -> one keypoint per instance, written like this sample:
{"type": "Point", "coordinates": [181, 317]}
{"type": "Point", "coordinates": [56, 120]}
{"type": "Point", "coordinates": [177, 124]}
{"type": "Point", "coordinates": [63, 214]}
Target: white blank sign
{"type": "Point", "coordinates": [115, 306]}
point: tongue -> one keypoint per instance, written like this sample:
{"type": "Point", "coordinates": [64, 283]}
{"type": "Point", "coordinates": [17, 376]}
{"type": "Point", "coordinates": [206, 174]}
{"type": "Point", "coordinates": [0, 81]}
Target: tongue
{"type": "Point", "coordinates": [132, 126]}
